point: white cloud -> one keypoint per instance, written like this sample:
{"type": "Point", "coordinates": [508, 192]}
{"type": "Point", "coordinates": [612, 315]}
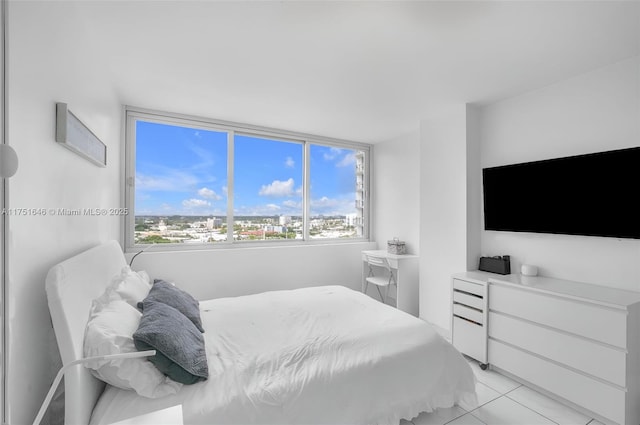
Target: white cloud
{"type": "Point", "coordinates": [195, 203]}
{"type": "Point", "coordinates": [268, 209]}
{"type": "Point", "coordinates": [333, 206]}
{"type": "Point", "coordinates": [324, 202]}
{"type": "Point", "coordinates": [205, 157]}
{"type": "Point", "coordinates": [349, 159]}
{"type": "Point", "coordinates": [292, 204]}
{"type": "Point", "coordinates": [171, 180]}
{"type": "Point", "coordinates": [332, 154]}
{"type": "Point", "coordinates": [289, 162]}
{"type": "Point", "coordinates": [277, 188]}
{"type": "Point", "coordinates": [209, 194]}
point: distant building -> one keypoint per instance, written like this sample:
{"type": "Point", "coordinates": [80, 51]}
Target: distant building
{"type": "Point", "coordinates": [358, 220]}
{"type": "Point", "coordinates": [273, 229]}
{"type": "Point", "coordinates": [214, 223]}
{"type": "Point", "coordinates": [285, 220]}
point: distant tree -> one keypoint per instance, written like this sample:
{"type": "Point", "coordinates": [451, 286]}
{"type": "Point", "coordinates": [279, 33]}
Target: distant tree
{"type": "Point", "coordinates": [154, 239]}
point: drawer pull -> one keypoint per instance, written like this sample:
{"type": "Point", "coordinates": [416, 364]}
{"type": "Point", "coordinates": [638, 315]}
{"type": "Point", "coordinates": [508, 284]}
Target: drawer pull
{"type": "Point", "coordinates": [479, 310]}
{"type": "Point", "coordinates": [467, 320]}
{"type": "Point", "coordinates": [468, 293]}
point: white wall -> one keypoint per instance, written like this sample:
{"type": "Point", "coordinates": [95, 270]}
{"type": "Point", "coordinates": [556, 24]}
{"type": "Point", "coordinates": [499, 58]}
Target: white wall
{"type": "Point", "coordinates": [51, 64]}
{"type": "Point", "coordinates": [2, 219]}
{"type": "Point", "coordinates": [593, 112]}
{"type": "Point", "coordinates": [232, 272]}
{"type": "Point", "coordinates": [396, 191]}
{"type": "Point", "coordinates": [449, 156]}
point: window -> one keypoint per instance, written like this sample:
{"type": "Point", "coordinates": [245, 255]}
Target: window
{"type": "Point", "coordinates": [337, 192]}
{"type": "Point", "coordinates": [267, 191]}
{"type": "Point", "coordinates": [192, 181]}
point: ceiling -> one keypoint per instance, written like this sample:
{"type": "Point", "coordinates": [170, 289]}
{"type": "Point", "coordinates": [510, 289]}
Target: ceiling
{"type": "Point", "coordinates": [361, 71]}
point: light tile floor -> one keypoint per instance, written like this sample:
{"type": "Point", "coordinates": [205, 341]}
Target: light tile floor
{"type": "Point", "coordinates": [504, 401]}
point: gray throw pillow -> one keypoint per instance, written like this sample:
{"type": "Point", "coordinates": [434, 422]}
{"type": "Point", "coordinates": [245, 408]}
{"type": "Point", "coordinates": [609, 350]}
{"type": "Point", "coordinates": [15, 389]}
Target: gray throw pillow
{"type": "Point", "coordinates": [177, 298]}
{"type": "Point", "coordinates": [180, 350]}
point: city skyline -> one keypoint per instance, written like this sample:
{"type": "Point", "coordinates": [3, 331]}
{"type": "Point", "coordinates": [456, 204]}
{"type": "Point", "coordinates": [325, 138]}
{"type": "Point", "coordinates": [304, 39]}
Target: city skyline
{"type": "Point", "coordinates": [207, 229]}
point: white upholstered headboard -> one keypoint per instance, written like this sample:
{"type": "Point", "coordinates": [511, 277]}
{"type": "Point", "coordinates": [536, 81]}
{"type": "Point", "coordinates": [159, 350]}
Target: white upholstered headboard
{"type": "Point", "coordinates": [71, 286]}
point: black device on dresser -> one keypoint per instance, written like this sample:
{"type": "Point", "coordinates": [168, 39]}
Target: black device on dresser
{"type": "Point", "coordinates": [497, 264]}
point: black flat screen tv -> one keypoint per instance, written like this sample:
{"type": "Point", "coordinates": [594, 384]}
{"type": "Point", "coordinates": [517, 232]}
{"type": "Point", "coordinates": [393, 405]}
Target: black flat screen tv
{"type": "Point", "coordinates": [592, 195]}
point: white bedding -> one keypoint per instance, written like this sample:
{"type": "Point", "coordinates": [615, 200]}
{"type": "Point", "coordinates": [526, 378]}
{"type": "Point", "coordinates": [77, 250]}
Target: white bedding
{"type": "Point", "coordinates": [323, 355]}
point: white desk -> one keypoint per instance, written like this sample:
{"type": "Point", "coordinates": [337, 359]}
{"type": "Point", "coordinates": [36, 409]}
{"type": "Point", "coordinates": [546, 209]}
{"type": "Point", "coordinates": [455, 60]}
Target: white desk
{"type": "Point", "coordinates": [406, 272]}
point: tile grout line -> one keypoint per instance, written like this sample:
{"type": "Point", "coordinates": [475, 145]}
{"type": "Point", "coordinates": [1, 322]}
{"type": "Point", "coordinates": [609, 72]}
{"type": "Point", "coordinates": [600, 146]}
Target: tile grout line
{"type": "Point", "coordinates": [527, 407]}
{"type": "Point", "coordinates": [466, 412]}
{"type": "Point", "coordinates": [524, 405]}
{"type": "Point", "coordinates": [515, 401]}
{"type": "Point", "coordinates": [500, 392]}
{"type": "Point", "coordinates": [477, 418]}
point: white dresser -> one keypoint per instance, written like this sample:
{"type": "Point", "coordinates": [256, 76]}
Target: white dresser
{"type": "Point", "coordinates": [469, 314]}
{"type": "Point", "coordinates": [578, 341]}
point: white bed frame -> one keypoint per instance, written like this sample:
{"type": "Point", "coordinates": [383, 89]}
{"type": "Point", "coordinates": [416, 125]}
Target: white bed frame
{"type": "Point", "coordinates": [71, 286]}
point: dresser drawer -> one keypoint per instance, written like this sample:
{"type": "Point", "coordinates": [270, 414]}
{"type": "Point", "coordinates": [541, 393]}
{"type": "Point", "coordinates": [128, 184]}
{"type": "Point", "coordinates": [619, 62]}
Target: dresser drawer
{"type": "Point", "coordinates": [601, 398]}
{"type": "Point", "coordinates": [589, 320]}
{"type": "Point", "coordinates": [472, 288]}
{"type": "Point", "coordinates": [470, 338]}
{"type": "Point", "coordinates": [586, 355]}
{"type": "Point", "coordinates": [468, 313]}
{"type": "Point", "coordinates": [469, 300]}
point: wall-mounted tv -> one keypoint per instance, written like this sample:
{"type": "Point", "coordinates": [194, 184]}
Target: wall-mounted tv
{"type": "Point", "coordinates": [592, 195]}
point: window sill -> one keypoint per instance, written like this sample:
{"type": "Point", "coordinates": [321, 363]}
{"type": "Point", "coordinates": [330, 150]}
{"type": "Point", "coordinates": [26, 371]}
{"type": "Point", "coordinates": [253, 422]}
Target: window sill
{"type": "Point", "coordinates": [187, 247]}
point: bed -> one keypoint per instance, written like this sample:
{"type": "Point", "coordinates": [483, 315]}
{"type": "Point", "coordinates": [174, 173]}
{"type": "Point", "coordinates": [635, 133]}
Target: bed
{"type": "Point", "coordinates": [325, 355]}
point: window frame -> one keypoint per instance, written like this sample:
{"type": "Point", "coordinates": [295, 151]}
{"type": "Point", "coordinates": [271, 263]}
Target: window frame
{"type": "Point", "coordinates": [134, 114]}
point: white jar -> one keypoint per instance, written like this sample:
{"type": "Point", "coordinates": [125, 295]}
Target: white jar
{"type": "Point", "coordinates": [529, 270]}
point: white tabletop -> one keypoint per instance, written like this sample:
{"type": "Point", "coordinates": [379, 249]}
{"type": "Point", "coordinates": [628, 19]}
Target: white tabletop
{"type": "Point", "coordinates": [611, 297]}
{"type": "Point", "coordinates": [383, 253]}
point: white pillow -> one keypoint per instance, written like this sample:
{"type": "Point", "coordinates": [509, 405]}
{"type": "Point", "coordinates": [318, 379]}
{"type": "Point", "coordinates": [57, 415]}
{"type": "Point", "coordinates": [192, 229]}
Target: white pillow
{"type": "Point", "coordinates": [109, 331]}
{"type": "Point", "coordinates": [128, 286]}
{"type": "Point", "coordinates": [131, 286]}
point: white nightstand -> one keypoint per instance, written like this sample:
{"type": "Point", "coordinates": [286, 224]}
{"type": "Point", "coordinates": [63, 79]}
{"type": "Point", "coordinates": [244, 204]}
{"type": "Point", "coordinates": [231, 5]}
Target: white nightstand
{"type": "Point", "coordinates": [169, 416]}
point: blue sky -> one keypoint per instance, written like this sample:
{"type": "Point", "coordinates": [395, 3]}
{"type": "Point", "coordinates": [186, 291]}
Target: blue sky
{"type": "Point", "coordinates": [181, 170]}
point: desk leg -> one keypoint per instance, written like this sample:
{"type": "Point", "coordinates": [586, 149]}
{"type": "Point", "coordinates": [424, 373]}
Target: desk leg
{"type": "Point", "coordinates": [363, 282]}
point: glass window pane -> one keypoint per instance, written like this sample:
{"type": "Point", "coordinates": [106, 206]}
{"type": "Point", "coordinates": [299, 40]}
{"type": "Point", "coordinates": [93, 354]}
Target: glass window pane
{"type": "Point", "coordinates": [267, 188]}
{"type": "Point", "coordinates": [180, 184]}
{"type": "Point", "coordinates": [337, 192]}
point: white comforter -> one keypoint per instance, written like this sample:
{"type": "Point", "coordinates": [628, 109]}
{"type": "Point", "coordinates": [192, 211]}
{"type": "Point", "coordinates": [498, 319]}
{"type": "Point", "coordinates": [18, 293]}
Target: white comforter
{"type": "Point", "coordinates": [323, 355]}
